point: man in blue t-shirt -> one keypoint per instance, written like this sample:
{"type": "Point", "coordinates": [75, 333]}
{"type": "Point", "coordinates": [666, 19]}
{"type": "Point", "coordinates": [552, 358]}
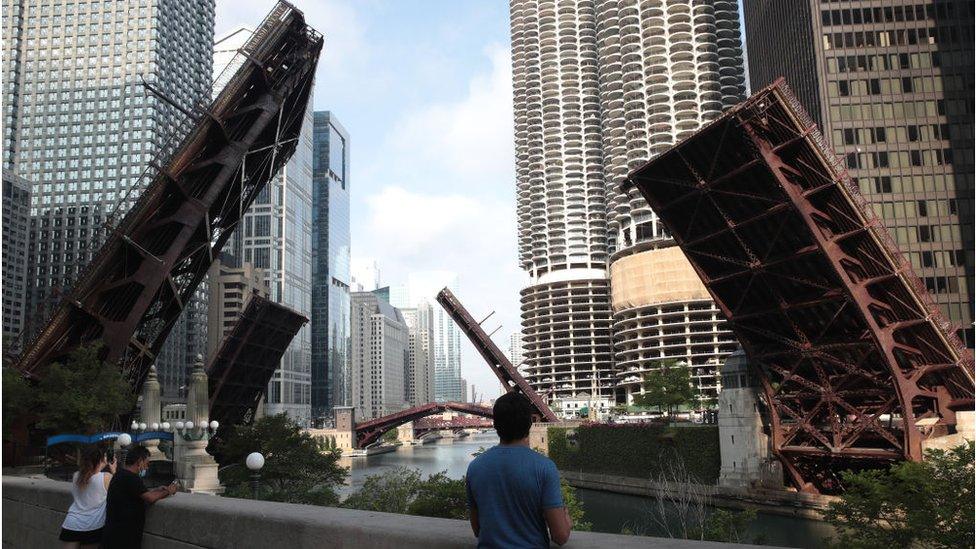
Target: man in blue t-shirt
{"type": "Point", "coordinates": [513, 492]}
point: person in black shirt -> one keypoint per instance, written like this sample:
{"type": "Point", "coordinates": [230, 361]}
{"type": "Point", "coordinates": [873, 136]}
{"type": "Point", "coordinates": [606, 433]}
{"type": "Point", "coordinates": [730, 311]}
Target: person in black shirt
{"type": "Point", "coordinates": [125, 512]}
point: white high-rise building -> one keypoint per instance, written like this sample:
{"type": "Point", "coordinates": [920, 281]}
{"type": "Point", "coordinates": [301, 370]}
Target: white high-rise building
{"type": "Point", "coordinates": [276, 237]}
{"type": "Point", "coordinates": [516, 353]}
{"type": "Point", "coordinates": [380, 354]}
{"type": "Point", "coordinates": [419, 380]}
{"type": "Point", "coordinates": [423, 287]}
{"type": "Point", "coordinates": [668, 68]}
{"type": "Point", "coordinates": [600, 86]}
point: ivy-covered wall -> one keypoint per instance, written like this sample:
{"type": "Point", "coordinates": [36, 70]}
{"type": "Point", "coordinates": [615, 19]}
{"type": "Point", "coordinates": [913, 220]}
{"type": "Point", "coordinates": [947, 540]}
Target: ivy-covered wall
{"type": "Point", "coordinates": [637, 450]}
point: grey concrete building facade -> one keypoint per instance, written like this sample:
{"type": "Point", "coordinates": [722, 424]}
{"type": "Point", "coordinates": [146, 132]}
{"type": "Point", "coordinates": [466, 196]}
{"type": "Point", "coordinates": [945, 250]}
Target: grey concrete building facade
{"type": "Point", "coordinates": [380, 349]}
{"type": "Point", "coordinates": [80, 126]}
{"type": "Point", "coordinates": [419, 377]}
{"type": "Point", "coordinates": [331, 259]}
{"type": "Point", "coordinates": [16, 243]}
{"type": "Point", "coordinates": [891, 86]}
{"type": "Point", "coordinates": [232, 283]}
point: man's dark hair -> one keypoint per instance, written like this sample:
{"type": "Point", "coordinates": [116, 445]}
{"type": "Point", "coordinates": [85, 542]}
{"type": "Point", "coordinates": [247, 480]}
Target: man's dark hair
{"type": "Point", "coordinates": [512, 416]}
{"type": "Point", "coordinates": [136, 454]}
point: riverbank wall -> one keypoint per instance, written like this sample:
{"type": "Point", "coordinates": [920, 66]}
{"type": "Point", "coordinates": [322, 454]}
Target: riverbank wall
{"type": "Point", "coordinates": [774, 502]}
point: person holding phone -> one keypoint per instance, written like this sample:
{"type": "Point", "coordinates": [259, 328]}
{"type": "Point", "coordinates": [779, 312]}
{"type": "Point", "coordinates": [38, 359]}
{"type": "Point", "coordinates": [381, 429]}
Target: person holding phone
{"type": "Point", "coordinates": [125, 513]}
{"type": "Point", "coordinates": [82, 527]}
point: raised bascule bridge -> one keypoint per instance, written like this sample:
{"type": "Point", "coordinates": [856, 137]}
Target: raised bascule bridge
{"type": "Point", "coordinates": [156, 255]}
{"type": "Point", "coordinates": [857, 365]}
{"type": "Point", "coordinates": [369, 432]}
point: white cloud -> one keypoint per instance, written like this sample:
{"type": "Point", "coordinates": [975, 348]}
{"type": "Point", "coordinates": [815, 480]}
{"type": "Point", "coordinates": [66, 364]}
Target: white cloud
{"type": "Point", "coordinates": [444, 199]}
{"type": "Point", "coordinates": [469, 141]}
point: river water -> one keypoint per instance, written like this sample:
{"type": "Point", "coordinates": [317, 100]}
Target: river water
{"type": "Point", "coordinates": [607, 511]}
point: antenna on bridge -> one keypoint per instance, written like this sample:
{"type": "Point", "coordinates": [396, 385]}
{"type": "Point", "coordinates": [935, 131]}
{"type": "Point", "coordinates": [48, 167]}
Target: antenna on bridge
{"type": "Point", "coordinates": [486, 318]}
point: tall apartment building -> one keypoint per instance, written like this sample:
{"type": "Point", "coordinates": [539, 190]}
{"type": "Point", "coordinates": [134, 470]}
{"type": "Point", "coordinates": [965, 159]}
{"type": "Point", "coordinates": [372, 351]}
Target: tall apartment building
{"type": "Point", "coordinates": [419, 380]}
{"type": "Point", "coordinates": [276, 237]}
{"type": "Point", "coordinates": [16, 242]}
{"type": "Point", "coordinates": [380, 349]}
{"type": "Point", "coordinates": [600, 88]}
{"type": "Point", "coordinates": [891, 86]}
{"type": "Point", "coordinates": [331, 275]}
{"type": "Point", "coordinates": [232, 283]}
{"type": "Point", "coordinates": [365, 274]}
{"type": "Point", "coordinates": [421, 287]}
{"type": "Point", "coordinates": [80, 126]}
{"type": "Point", "coordinates": [667, 69]}
{"type": "Point", "coordinates": [516, 352]}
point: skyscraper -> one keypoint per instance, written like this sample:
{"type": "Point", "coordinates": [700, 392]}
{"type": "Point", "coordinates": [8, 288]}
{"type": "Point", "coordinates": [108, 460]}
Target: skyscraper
{"type": "Point", "coordinates": [419, 381]}
{"type": "Point", "coordinates": [667, 69]}
{"type": "Point", "coordinates": [599, 88]}
{"type": "Point", "coordinates": [331, 277]}
{"type": "Point", "coordinates": [380, 348]}
{"type": "Point", "coordinates": [891, 87]}
{"type": "Point", "coordinates": [80, 126]}
{"type": "Point", "coordinates": [562, 197]}
{"type": "Point", "coordinates": [421, 287]}
{"type": "Point", "coordinates": [276, 237]}
{"type": "Point", "coordinates": [16, 241]}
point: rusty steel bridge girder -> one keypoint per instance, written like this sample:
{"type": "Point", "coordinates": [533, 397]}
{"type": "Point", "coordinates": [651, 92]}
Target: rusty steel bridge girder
{"type": "Point", "coordinates": [851, 352]}
{"type": "Point", "coordinates": [503, 369]}
{"type": "Point", "coordinates": [138, 283]}
{"type": "Point", "coordinates": [247, 358]}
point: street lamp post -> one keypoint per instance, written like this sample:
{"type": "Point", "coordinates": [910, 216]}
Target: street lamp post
{"type": "Point", "coordinates": [124, 440]}
{"type": "Point", "coordinates": [254, 463]}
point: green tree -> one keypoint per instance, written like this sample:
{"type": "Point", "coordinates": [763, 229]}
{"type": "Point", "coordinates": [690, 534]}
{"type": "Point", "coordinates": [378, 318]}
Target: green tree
{"type": "Point", "coordinates": [389, 492]}
{"type": "Point", "coordinates": [575, 507]}
{"type": "Point", "coordinates": [440, 496]}
{"type": "Point", "coordinates": [391, 437]}
{"type": "Point", "coordinates": [83, 394]}
{"type": "Point", "coordinates": [667, 387]}
{"type": "Point", "coordinates": [17, 398]}
{"type": "Point", "coordinates": [298, 468]}
{"type": "Point", "coordinates": [727, 526]}
{"type": "Point", "coordinates": [924, 504]}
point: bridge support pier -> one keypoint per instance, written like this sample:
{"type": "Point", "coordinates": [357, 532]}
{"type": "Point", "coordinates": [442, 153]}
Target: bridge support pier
{"type": "Point", "coordinates": [151, 412]}
{"type": "Point", "coordinates": [406, 434]}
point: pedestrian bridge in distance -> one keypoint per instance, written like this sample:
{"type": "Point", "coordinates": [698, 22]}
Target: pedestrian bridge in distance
{"type": "Point", "coordinates": [33, 510]}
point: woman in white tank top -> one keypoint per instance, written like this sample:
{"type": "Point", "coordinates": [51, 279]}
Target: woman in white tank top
{"type": "Point", "coordinates": [82, 527]}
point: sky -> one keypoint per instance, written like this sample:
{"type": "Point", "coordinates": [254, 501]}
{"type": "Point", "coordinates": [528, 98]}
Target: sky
{"type": "Point", "coordinates": [424, 89]}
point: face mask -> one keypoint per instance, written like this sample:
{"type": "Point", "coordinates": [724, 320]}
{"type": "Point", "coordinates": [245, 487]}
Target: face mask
{"type": "Point", "coordinates": [142, 472]}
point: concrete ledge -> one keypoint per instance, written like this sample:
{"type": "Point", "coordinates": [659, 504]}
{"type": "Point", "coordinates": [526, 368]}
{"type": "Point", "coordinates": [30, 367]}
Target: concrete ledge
{"type": "Point", "coordinates": [33, 509]}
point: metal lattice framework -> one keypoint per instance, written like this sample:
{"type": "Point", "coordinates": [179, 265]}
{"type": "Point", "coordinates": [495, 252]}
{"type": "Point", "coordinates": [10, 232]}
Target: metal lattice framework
{"type": "Point", "coordinates": [247, 358]}
{"type": "Point", "coordinates": [857, 364]}
{"type": "Point", "coordinates": [368, 432]}
{"type": "Point", "coordinates": [137, 285]}
{"type": "Point", "coordinates": [429, 424]}
{"type": "Point", "coordinates": [497, 361]}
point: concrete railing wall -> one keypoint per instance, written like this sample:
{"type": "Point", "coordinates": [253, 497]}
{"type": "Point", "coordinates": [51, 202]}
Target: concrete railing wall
{"type": "Point", "coordinates": [33, 510]}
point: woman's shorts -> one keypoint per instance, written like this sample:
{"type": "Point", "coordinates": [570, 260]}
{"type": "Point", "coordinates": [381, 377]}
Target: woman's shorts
{"type": "Point", "coordinates": [86, 537]}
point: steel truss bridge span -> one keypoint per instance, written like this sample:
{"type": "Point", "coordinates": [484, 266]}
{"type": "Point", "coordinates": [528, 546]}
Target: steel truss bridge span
{"type": "Point", "coordinates": [856, 363]}
{"type": "Point", "coordinates": [368, 432]}
{"type": "Point", "coordinates": [139, 282]}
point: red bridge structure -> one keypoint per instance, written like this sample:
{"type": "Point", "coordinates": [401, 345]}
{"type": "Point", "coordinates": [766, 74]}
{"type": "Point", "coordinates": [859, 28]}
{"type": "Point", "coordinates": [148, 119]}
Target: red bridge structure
{"type": "Point", "coordinates": [427, 425]}
{"type": "Point", "coordinates": [368, 432]}
{"type": "Point", "coordinates": [856, 363]}
{"type": "Point", "coordinates": [137, 285]}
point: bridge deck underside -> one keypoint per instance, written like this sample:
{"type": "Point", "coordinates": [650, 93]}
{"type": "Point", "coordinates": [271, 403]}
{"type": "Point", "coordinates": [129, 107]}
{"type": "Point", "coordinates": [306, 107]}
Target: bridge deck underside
{"type": "Point", "coordinates": [247, 358]}
{"type": "Point", "coordinates": [137, 285]}
{"type": "Point", "coordinates": [850, 350]}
